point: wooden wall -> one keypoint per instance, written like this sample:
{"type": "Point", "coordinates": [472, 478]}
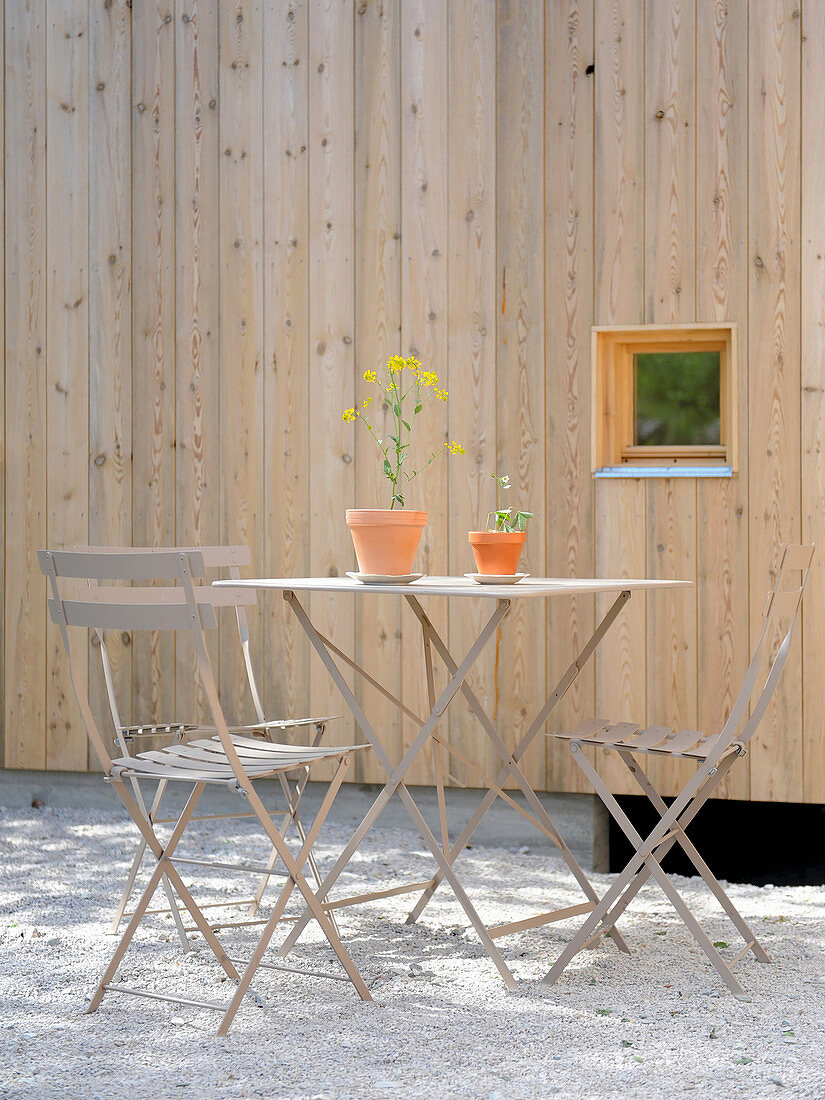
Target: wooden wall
{"type": "Point", "coordinates": [219, 213]}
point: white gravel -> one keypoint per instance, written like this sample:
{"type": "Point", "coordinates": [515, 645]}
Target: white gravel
{"type": "Point", "coordinates": [657, 1024]}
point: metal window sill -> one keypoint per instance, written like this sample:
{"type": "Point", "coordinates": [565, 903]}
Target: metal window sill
{"type": "Point", "coordinates": [627, 470]}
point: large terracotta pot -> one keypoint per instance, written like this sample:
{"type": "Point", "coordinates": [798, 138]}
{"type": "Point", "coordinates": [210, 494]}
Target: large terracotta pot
{"type": "Point", "coordinates": [385, 539]}
{"type": "Point", "coordinates": [497, 552]}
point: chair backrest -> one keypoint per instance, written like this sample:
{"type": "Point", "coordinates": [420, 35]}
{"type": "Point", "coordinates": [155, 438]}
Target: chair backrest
{"type": "Point", "coordinates": [779, 617]}
{"type": "Point", "coordinates": [221, 558]}
{"type": "Point", "coordinates": [99, 606]}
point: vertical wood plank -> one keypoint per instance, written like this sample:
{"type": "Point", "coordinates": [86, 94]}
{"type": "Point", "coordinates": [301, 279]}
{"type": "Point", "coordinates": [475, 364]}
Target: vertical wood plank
{"type": "Point", "coordinates": [153, 327]}
{"type": "Point", "coordinates": [424, 315]}
{"type": "Point", "coordinates": [669, 297]}
{"type": "Point", "coordinates": [377, 329]}
{"type": "Point", "coordinates": [520, 355]}
{"type": "Point", "coordinates": [331, 328]}
{"type": "Point", "coordinates": [813, 393]}
{"type": "Point", "coordinates": [25, 367]}
{"type": "Point", "coordinates": [568, 501]}
{"type": "Point", "coordinates": [669, 160]}
{"type": "Point", "coordinates": [286, 348]}
{"type": "Point", "coordinates": [67, 343]}
{"type": "Point", "coordinates": [472, 297]}
{"type": "Point", "coordinates": [774, 380]}
{"type": "Point", "coordinates": [110, 314]}
{"type": "Point", "coordinates": [620, 523]}
{"type": "Point", "coordinates": [722, 295]}
{"type": "Point", "coordinates": [241, 372]}
{"type": "Point", "coordinates": [3, 391]}
{"type": "Point", "coordinates": [197, 382]}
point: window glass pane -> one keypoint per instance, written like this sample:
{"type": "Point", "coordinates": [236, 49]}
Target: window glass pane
{"type": "Point", "coordinates": [677, 398]}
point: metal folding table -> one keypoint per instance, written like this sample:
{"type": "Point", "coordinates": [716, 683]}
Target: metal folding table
{"type": "Point", "coordinates": [445, 854]}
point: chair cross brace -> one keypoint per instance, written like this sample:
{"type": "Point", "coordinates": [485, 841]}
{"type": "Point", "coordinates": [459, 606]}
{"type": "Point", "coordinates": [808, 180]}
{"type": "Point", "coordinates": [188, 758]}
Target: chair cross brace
{"type": "Point", "coordinates": [669, 831]}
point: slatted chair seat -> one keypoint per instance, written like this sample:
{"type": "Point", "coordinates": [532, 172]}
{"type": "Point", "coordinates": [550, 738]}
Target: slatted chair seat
{"type": "Point", "coordinates": [207, 760]}
{"type": "Point", "coordinates": [714, 756]}
{"type": "Point", "coordinates": [652, 740]}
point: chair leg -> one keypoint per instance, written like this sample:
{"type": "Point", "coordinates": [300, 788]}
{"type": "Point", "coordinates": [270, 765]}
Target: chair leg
{"type": "Point", "coordinates": [136, 865]}
{"type": "Point", "coordinates": [667, 886]}
{"type": "Point", "coordinates": [280, 905]}
{"type": "Point", "coordinates": [314, 906]}
{"type": "Point", "coordinates": [164, 866]}
{"type": "Point", "coordinates": [693, 855]}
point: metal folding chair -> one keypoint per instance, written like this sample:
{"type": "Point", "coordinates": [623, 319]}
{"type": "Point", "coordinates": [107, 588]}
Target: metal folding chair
{"type": "Point", "coordinates": [714, 756]}
{"type": "Point", "coordinates": [79, 598]}
{"type": "Point", "coordinates": [218, 558]}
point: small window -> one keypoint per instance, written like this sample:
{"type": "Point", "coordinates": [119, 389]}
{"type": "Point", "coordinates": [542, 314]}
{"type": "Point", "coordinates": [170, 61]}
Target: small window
{"type": "Point", "coordinates": [663, 396]}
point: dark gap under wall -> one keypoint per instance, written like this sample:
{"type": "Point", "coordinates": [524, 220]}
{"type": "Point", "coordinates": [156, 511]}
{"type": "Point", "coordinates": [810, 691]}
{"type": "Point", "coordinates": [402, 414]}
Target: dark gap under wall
{"type": "Point", "coordinates": [754, 842]}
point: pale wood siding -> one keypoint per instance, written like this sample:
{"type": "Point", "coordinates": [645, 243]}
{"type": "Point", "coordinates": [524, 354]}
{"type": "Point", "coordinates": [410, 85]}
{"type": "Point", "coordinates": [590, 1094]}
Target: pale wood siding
{"type": "Point", "coordinates": [219, 213]}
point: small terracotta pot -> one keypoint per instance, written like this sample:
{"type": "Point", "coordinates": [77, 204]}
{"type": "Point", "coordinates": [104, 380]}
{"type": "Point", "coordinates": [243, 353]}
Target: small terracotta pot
{"type": "Point", "coordinates": [497, 552]}
{"type": "Point", "coordinates": [385, 540]}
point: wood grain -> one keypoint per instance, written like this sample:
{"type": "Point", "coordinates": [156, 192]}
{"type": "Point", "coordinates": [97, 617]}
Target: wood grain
{"type": "Point", "coordinates": [774, 381]}
{"type": "Point", "coordinates": [620, 523]}
{"type": "Point", "coordinates": [669, 273]}
{"type": "Point", "coordinates": [378, 331]}
{"type": "Point", "coordinates": [197, 381]}
{"type": "Point", "coordinates": [569, 176]}
{"type": "Point", "coordinates": [153, 327]}
{"type": "Point", "coordinates": [722, 294]}
{"type": "Point", "coordinates": [424, 313]}
{"type": "Point", "coordinates": [25, 378]}
{"type": "Point", "coordinates": [472, 338]}
{"type": "Point", "coordinates": [813, 394]}
{"type": "Point", "coordinates": [110, 307]}
{"type": "Point", "coordinates": [3, 396]}
{"type": "Point", "coordinates": [331, 328]}
{"type": "Point", "coordinates": [240, 106]}
{"type": "Point", "coordinates": [286, 348]}
{"type": "Point", "coordinates": [520, 355]}
{"type": "Point", "coordinates": [67, 345]}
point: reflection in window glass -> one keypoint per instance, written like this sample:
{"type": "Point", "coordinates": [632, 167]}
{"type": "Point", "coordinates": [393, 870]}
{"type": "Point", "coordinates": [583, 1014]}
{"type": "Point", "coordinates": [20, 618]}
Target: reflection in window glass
{"type": "Point", "coordinates": [677, 398]}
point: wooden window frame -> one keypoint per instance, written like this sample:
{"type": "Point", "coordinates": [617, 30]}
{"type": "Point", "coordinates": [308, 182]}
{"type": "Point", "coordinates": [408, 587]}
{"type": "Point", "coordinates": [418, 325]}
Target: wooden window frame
{"type": "Point", "coordinates": [612, 394]}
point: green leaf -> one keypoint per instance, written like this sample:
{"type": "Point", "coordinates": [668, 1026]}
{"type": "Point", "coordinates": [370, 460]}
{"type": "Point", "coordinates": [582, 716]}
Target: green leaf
{"type": "Point", "coordinates": [720, 943]}
{"type": "Point", "coordinates": [418, 409]}
{"type": "Point", "coordinates": [789, 1032]}
{"type": "Point", "coordinates": [406, 425]}
{"type": "Point", "coordinates": [396, 408]}
{"type": "Point", "coordinates": [626, 1043]}
{"type": "Point", "coordinates": [636, 1058]}
{"type": "Point", "coordinates": [387, 467]}
{"type": "Point", "coordinates": [604, 1011]}
{"type": "Point", "coordinates": [743, 1061]}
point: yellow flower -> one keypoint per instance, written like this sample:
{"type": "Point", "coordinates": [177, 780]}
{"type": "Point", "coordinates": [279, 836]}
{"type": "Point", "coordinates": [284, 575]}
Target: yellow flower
{"type": "Point", "coordinates": [456, 448]}
{"type": "Point", "coordinates": [395, 363]}
{"type": "Point", "coordinates": [367, 402]}
{"type": "Point", "coordinates": [428, 378]}
{"type": "Point", "coordinates": [413, 364]}
{"type": "Point", "coordinates": [349, 415]}
{"type": "Point", "coordinates": [441, 395]}
{"type": "Point", "coordinates": [369, 376]}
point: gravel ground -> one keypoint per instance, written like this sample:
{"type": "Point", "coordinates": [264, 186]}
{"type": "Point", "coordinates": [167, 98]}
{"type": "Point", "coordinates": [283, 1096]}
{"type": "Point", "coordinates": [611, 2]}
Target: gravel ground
{"type": "Point", "coordinates": [657, 1024]}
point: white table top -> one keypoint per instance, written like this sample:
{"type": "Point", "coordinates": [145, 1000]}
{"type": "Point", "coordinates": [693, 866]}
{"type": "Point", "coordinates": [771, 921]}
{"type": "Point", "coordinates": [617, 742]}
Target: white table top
{"type": "Point", "coordinates": [459, 586]}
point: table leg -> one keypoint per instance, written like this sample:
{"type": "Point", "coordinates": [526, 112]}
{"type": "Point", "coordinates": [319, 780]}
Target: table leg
{"type": "Point", "coordinates": [511, 760]}
{"type": "Point", "coordinates": [396, 775]}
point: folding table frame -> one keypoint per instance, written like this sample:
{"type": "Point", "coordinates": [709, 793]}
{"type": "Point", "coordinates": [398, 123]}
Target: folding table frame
{"type": "Point", "coordinates": [446, 854]}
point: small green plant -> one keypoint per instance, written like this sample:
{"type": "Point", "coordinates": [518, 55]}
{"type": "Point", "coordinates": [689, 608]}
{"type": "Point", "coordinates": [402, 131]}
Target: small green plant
{"type": "Point", "coordinates": [506, 519]}
{"type": "Point", "coordinates": [405, 389]}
